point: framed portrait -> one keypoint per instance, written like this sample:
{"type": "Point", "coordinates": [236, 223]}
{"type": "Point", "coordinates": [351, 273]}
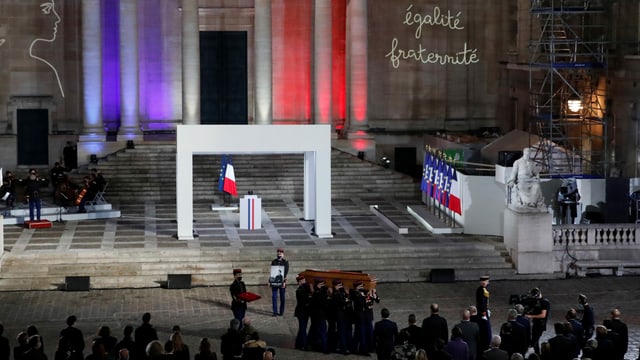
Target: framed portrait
{"type": "Point", "coordinates": [276, 275]}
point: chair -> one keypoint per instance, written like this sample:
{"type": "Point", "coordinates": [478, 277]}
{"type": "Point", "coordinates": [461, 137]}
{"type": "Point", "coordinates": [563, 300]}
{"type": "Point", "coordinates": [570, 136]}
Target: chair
{"type": "Point", "coordinates": [98, 198]}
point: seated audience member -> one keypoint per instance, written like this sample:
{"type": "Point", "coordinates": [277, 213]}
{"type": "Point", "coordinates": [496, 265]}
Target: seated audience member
{"type": "Point", "coordinates": [231, 342]}
{"type": "Point", "coordinates": [248, 331]}
{"type": "Point", "coordinates": [254, 349]}
{"type": "Point", "coordinates": [204, 351]}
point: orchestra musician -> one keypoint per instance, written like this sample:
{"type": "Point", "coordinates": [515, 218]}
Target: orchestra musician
{"type": "Point", "coordinates": [8, 189]}
{"type": "Point", "coordinates": [88, 191]}
{"type": "Point", "coordinates": [65, 192]}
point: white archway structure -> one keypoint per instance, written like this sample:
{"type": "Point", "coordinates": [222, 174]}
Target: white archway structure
{"type": "Point", "coordinates": [314, 141]}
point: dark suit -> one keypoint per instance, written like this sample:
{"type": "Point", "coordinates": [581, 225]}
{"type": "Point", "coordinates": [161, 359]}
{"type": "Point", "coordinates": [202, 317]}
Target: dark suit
{"type": "Point", "coordinates": [385, 333]}
{"type": "Point", "coordinates": [416, 336]}
{"type": "Point", "coordinates": [562, 347]}
{"type": "Point", "coordinates": [620, 337]}
{"type": "Point", "coordinates": [513, 338]}
{"type": "Point", "coordinates": [495, 354]}
{"type": "Point", "coordinates": [434, 327]}
{"type": "Point", "coordinates": [470, 335]}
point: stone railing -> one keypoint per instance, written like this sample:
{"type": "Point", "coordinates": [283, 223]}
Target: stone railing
{"type": "Point", "coordinates": [604, 248]}
{"type": "Point", "coordinates": [596, 234]}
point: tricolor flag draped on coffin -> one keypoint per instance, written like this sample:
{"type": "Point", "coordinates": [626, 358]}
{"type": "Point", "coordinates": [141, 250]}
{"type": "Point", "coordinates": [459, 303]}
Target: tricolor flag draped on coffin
{"type": "Point", "coordinates": [227, 177]}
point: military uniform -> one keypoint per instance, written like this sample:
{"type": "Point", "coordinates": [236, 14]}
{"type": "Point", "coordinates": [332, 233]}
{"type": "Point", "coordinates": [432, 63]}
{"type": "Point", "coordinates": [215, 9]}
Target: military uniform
{"type": "Point", "coordinates": [303, 299]}
{"type": "Point", "coordinates": [238, 306]}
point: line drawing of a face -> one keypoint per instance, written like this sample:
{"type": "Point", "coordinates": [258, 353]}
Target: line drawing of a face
{"type": "Point", "coordinates": [48, 9]}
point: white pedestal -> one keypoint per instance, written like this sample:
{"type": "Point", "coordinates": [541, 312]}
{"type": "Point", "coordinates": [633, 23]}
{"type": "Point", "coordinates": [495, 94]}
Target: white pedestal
{"type": "Point", "coordinates": [528, 238]}
{"type": "Point", "coordinates": [250, 212]}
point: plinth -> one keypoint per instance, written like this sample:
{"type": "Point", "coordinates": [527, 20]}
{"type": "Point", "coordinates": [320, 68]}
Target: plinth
{"type": "Point", "coordinates": [529, 240]}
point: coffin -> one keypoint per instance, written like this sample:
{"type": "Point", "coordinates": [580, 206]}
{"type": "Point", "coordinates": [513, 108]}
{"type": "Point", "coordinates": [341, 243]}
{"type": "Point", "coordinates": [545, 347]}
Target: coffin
{"type": "Point", "coordinates": [347, 277]}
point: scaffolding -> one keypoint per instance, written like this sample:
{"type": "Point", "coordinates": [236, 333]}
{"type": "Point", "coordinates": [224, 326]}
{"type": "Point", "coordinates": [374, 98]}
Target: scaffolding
{"type": "Point", "coordinates": [567, 86]}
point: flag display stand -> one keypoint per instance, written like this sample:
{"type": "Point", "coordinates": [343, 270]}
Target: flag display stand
{"type": "Point", "coordinates": [250, 212]}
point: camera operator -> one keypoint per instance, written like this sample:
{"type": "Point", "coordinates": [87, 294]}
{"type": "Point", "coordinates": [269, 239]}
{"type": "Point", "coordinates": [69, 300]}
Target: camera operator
{"type": "Point", "coordinates": [538, 314]}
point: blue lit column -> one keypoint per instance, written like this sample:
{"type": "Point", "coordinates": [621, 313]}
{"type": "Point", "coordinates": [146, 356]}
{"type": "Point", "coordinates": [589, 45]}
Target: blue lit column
{"type": "Point", "coordinates": [93, 128]}
{"type": "Point", "coordinates": [129, 91]}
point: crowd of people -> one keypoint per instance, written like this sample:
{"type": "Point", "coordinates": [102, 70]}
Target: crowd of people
{"type": "Point", "coordinates": [64, 191]}
{"type": "Point", "coordinates": [342, 322]}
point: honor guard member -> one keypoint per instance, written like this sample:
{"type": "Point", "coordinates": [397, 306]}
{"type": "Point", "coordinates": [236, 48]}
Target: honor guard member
{"type": "Point", "coordinates": [319, 308]}
{"type": "Point", "coordinates": [372, 297]}
{"type": "Point", "coordinates": [303, 301]}
{"type": "Point", "coordinates": [238, 306]}
{"type": "Point", "coordinates": [538, 315]}
{"type": "Point", "coordinates": [279, 288]}
{"type": "Point", "coordinates": [341, 305]}
{"type": "Point", "coordinates": [359, 298]}
{"type": "Point", "coordinates": [482, 304]}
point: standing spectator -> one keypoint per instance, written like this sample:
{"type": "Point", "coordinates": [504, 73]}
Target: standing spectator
{"type": "Point", "coordinates": [414, 334]}
{"type": "Point", "coordinates": [34, 349]}
{"type": "Point", "coordinates": [74, 337]}
{"type": "Point", "coordinates": [538, 316]}
{"type": "Point", "coordinates": [248, 331]}
{"type": "Point", "coordinates": [127, 341]}
{"type": "Point", "coordinates": [470, 333]}
{"type": "Point", "coordinates": [619, 334]}
{"type": "Point", "coordinates": [482, 304]}
{"type": "Point", "coordinates": [180, 350]}
{"type": "Point", "coordinates": [19, 350]}
{"type": "Point", "coordinates": [434, 327]}
{"type": "Point", "coordinates": [457, 348]}
{"type": "Point", "coordinates": [483, 340]}
{"type": "Point", "coordinates": [561, 346]}
{"type": "Point", "coordinates": [144, 334]}
{"type": "Point", "coordinates": [231, 342]}
{"type": "Point", "coordinates": [576, 328]}
{"type": "Point", "coordinates": [5, 348]}
{"type": "Point", "coordinates": [31, 331]}
{"type": "Point", "coordinates": [109, 342]}
{"type": "Point", "coordinates": [494, 352]}
{"type": "Point", "coordinates": [588, 318]}
{"type": "Point", "coordinates": [525, 322]}
{"type": "Point", "coordinates": [204, 351]}
{"type": "Point", "coordinates": [238, 305]}
{"type": "Point", "coordinates": [512, 335]}
{"type": "Point", "coordinates": [303, 299]}
{"type": "Point", "coordinates": [385, 335]}
{"type": "Point", "coordinates": [278, 287]}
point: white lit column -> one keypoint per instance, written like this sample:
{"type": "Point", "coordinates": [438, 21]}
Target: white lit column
{"type": "Point", "coordinates": [92, 127]}
{"type": "Point", "coordinates": [357, 65]}
{"type": "Point", "coordinates": [264, 89]}
{"type": "Point", "coordinates": [129, 91]}
{"type": "Point", "coordinates": [190, 63]}
{"type": "Point", "coordinates": [322, 37]}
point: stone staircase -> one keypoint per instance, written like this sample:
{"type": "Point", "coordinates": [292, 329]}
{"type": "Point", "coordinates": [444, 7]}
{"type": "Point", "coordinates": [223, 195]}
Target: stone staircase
{"type": "Point", "coordinates": [148, 173]}
{"type": "Point", "coordinates": [138, 268]}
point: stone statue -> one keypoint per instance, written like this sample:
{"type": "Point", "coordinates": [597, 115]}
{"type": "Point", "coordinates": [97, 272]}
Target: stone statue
{"type": "Point", "coordinates": [524, 192]}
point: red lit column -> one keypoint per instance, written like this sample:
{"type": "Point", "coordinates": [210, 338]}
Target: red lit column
{"type": "Point", "coordinates": [129, 91]}
{"type": "Point", "coordinates": [322, 42]}
{"type": "Point", "coordinates": [264, 104]}
{"type": "Point", "coordinates": [357, 65]}
{"type": "Point", "coordinates": [190, 63]}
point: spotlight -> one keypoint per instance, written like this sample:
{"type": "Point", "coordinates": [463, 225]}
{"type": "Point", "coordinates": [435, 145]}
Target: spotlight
{"type": "Point", "coordinates": [130, 145]}
{"type": "Point", "coordinates": [574, 105]}
{"type": "Point", "coordinates": [385, 162]}
{"type": "Point", "coordinates": [361, 155]}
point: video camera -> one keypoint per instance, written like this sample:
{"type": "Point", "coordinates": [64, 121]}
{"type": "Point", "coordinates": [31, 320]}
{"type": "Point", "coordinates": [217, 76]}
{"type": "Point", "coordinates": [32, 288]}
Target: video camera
{"type": "Point", "coordinates": [530, 301]}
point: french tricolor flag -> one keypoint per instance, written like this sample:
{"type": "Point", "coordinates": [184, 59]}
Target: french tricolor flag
{"type": "Point", "coordinates": [230, 180]}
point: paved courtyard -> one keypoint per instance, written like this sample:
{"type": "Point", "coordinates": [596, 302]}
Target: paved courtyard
{"type": "Point", "coordinates": [204, 311]}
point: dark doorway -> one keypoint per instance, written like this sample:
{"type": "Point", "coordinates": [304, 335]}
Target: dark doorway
{"type": "Point", "coordinates": [33, 136]}
{"type": "Point", "coordinates": [405, 161]}
{"type": "Point", "coordinates": [223, 77]}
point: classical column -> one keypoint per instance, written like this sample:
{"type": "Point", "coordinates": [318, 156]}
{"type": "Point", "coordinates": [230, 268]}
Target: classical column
{"type": "Point", "coordinates": [264, 90]}
{"type": "Point", "coordinates": [92, 127]}
{"type": "Point", "coordinates": [190, 63]}
{"type": "Point", "coordinates": [357, 65]}
{"type": "Point", "coordinates": [129, 91]}
{"type": "Point", "coordinates": [322, 74]}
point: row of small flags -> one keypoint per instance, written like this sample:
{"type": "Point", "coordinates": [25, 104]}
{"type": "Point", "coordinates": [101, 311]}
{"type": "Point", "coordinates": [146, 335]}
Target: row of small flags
{"type": "Point", "coordinates": [440, 182]}
{"type": "Point", "coordinates": [227, 177]}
